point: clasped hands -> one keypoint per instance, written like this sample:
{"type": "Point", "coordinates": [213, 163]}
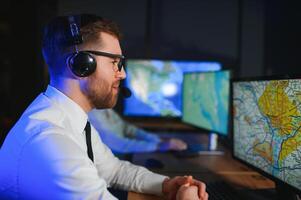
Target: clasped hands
{"type": "Point", "coordinates": [184, 188]}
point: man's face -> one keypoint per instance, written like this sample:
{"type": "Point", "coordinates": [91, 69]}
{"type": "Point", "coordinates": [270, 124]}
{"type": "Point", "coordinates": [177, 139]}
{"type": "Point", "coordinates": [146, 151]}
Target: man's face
{"type": "Point", "coordinates": [102, 87]}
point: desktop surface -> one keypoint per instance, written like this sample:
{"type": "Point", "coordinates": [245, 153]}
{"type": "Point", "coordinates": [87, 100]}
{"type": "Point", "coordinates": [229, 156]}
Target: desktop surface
{"type": "Point", "coordinates": [208, 168]}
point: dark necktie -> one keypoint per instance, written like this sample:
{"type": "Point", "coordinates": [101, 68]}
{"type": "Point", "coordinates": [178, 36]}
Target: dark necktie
{"type": "Point", "coordinates": [88, 140]}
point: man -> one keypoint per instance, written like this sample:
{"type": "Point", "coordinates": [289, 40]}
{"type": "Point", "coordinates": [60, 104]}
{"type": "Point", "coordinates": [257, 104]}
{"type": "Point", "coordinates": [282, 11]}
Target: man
{"type": "Point", "coordinates": [52, 152]}
{"type": "Point", "coordinates": [124, 137]}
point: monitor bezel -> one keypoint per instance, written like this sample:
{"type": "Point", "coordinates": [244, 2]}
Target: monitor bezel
{"type": "Point", "coordinates": [225, 135]}
{"type": "Point", "coordinates": [262, 172]}
{"type": "Point", "coordinates": [171, 118]}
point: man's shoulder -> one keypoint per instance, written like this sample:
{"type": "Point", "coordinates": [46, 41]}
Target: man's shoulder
{"type": "Point", "coordinates": [44, 111]}
{"type": "Point", "coordinates": [40, 120]}
{"type": "Point", "coordinates": [40, 116]}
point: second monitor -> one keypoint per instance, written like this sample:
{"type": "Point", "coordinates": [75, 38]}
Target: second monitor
{"type": "Point", "coordinates": [206, 100]}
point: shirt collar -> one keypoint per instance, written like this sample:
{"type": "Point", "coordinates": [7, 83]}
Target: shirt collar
{"type": "Point", "coordinates": [77, 116]}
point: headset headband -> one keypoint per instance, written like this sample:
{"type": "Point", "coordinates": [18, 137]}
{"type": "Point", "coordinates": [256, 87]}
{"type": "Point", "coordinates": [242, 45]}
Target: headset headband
{"type": "Point", "coordinates": [75, 31]}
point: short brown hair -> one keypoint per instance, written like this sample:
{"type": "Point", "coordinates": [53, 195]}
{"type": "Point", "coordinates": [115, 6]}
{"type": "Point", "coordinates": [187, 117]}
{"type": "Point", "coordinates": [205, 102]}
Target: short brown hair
{"type": "Point", "coordinates": [58, 40]}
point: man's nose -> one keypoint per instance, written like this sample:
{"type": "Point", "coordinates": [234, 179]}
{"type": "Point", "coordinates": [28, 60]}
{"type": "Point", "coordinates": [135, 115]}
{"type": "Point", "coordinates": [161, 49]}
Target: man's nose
{"type": "Point", "coordinates": [121, 75]}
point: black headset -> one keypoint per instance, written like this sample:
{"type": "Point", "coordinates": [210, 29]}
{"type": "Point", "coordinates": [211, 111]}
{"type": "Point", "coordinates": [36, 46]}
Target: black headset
{"type": "Point", "coordinates": [81, 63]}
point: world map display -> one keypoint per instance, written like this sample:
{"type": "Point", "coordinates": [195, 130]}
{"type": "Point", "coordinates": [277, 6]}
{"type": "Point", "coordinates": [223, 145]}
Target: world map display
{"type": "Point", "coordinates": [156, 85]}
{"type": "Point", "coordinates": [267, 121]}
{"type": "Point", "coordinates": [206, 100]}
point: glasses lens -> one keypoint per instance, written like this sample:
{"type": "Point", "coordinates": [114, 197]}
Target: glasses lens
{"type": "Point", "coordinates": [120, 64]}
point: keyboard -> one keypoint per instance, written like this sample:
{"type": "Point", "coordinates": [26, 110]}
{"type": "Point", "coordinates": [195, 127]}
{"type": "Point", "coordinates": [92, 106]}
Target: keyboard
{"type": "Point", "coordinates": [221, 190]}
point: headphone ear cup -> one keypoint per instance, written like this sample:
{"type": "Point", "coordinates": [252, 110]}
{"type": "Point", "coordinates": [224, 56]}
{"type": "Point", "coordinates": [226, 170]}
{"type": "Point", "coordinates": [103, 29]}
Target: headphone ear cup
{"type": "Point", "coordinates": [82, 64]}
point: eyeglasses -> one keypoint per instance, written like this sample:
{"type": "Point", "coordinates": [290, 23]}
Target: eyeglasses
{"type": "Point", "coordinates": [121, 62]}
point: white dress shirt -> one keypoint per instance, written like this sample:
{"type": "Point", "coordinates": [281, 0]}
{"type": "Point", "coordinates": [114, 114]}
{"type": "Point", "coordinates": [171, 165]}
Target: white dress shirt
{"type": "Point", "coordinates": [44, 156]}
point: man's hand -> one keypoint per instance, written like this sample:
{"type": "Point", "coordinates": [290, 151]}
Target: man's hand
{"type": "Point", "coordinates": [171, 186]}
{"type": "Point", "coordinates": [202, 188]}
{"type": "Point", "coordinates": [177, 144]}
{"type": "Point", "coordinates": [172, 144]}
{"type": "Point", "coordinates": [187, 192]}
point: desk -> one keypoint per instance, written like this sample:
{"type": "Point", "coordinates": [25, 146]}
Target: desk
{"type": "Point", "coordinates": [206, 168]}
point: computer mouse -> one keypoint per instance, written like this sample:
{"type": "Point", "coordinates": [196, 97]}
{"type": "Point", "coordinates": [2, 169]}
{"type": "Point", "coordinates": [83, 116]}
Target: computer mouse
{"type": "Point", "coordinates": [153, 163]}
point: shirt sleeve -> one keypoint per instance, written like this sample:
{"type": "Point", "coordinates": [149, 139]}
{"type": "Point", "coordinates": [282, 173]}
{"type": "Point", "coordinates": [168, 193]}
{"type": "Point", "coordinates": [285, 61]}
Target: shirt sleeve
{"type": "Point", "coordinates": [122, 174]}
{"type": "Point", "coordinates": [147, 136]}
{"type": "Point", "coordinates": [64, 170]}
{"type": "Point", "coordinates": [107, 120]}
{"type": "Point", "coordinates": [132, 131]}
{"type": "Point", "coordinates": [120, 136]}
{"type": "Point", "coordinates": [125, 145]}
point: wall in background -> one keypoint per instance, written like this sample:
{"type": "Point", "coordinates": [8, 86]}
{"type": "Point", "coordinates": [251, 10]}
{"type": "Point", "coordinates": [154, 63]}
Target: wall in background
{"type": "Point", "coordinates": [170, 29]}
{"type": "Point", "coordinates": [283, 38]}
{"type": "Point", "coordinates": [21, 70]}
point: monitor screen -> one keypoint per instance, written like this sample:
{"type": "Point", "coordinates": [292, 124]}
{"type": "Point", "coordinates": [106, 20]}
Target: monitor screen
{"type": "Point", "coordinates": [266, 127]}
{"type": "Point", "coordinates": [206, 100]}
{"type": "Point", "coordinates": [156, 86]}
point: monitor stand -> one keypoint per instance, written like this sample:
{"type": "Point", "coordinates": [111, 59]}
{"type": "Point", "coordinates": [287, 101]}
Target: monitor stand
{"type": "Point", "coordinates": [202, 149]}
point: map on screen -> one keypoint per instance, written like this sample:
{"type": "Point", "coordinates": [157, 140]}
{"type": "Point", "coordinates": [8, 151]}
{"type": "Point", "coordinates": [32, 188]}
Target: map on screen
{"type": "Point", "coordinates": [267, 121]}
{"type": "Point", "coordinates": [156, 85]}
{"type": "Point", "coordinates": [206, 100]}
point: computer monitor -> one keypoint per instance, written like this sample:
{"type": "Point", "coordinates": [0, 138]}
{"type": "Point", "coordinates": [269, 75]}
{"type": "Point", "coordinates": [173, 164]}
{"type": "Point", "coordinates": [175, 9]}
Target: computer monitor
{"type": "Point", "coordinates": [266, 128]}
{"type": "Point", "coordinates": [156, 86]}
{"type": "Point", "coordinates": [206, 99]}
